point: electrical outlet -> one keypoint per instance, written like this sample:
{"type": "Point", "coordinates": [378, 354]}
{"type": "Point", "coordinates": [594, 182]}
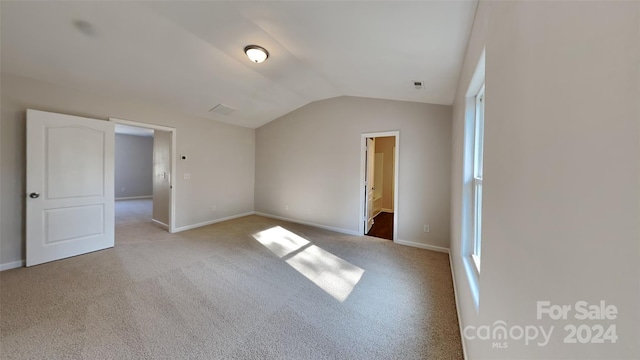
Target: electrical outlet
{"type": "Point", "coordinates": [426, 228]}
{"type": "Point", "coordinates": [286, 207]}
{"type": "Point", "coordinates": [213, 208]}
{"type": "Point", "coordinates": [187, 176]}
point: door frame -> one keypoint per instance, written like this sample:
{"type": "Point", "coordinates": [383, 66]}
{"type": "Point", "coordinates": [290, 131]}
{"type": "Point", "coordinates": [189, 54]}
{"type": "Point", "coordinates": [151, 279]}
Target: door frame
{"type": "Point", "coordinates": [172, 198]}
{"type": "Point", "coordinates": [396, 172]}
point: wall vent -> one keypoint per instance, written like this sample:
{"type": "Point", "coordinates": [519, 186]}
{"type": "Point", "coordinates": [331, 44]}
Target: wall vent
{"type": "Point", "coordinates": [222, 109]}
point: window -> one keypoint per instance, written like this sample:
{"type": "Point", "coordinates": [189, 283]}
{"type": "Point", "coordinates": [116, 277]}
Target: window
{"type": "Point", "coordinates": [478, 147]}
{"type": "Point", "coordinates": [472, 176]}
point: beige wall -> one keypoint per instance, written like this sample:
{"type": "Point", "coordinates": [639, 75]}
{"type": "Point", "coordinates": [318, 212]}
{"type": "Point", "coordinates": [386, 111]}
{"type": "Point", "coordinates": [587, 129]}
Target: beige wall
{"type": "Point", "coordinates": [385, 146]}
{"type": "Point", "coordinates": [221, 157]}
{"type": "Point", "coordinates": [133, 162]}
{"type": "Point", "coordinates": [561, 176]}
{"type": "Point", "coordinates": [161, 184]}
{"type": "Point", "coordinates": [321, 184]}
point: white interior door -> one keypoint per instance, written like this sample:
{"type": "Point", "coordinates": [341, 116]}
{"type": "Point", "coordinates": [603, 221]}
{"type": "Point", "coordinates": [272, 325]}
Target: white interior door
{"type": "Point", "coordinates": [369, 182]}
{"type": "Point", "coordinates": [70, 186]}
{"type": "Point", "coordinates": [162, 177]}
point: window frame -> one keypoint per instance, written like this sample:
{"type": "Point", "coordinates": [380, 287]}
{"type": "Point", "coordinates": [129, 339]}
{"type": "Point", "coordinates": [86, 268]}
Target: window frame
{"type": "Point", "coordinates": [478, 165]}
{"type": "Point", "coordinates": [469, 251]}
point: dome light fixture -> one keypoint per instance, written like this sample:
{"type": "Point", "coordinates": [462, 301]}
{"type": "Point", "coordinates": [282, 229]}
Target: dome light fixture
{"type": "Point", "coordinates": [256, 53]}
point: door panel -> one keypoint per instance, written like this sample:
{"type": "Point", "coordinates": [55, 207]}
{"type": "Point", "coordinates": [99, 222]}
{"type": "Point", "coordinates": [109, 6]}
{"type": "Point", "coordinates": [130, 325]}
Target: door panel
{"type": "Point", "coordinates": [88, 220]}
{"type": "Point", "coordinates": [70, 209]}
{"type": "Point", "coordinates": [369, 178]}
{"type": "Point", "coordinates": [71, 173]}
{"type": "Point", "coordinates": [162, 176]}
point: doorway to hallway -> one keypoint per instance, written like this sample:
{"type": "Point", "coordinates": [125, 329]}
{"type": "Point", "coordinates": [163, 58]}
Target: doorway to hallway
{"type": "Point", "coordinates": [379, 178]}
{"type": "Point", "coordinates": [157, 178]}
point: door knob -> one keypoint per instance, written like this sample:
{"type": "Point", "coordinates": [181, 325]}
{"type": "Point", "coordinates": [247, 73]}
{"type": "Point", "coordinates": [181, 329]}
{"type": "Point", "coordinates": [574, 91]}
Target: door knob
{"type": "Point", "coordinates": [34, 195]}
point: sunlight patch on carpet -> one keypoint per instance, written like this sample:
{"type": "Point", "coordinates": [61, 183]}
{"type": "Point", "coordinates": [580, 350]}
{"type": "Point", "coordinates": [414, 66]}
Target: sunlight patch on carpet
{"type": "Point", "coordinates": [336, 276]}
{"type": "Point", "coordinates": [280, 241]}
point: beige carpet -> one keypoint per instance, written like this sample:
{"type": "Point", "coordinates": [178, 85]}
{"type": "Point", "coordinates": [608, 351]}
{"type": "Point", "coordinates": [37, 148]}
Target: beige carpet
{"type": "Point", "coordinates": [218, 292]}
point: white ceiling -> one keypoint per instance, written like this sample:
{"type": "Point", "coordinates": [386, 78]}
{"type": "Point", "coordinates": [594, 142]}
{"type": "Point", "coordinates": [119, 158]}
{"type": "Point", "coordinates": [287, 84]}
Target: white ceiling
{"type": "Point", "coordinates": [189, 55]}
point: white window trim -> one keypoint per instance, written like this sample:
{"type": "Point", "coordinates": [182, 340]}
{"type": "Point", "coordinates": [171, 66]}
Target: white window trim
{"type": "Point", "coordinates": [471, 262]}
{"type": "Point", "coordinates": [478, 153]}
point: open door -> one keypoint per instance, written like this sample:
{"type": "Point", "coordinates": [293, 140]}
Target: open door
{"type": "Point", "coordinates": [70, 189]}
{"type": "Point", "coordinates": [369, 182]}
{"type": "Point", "coordinates": [162, 177]}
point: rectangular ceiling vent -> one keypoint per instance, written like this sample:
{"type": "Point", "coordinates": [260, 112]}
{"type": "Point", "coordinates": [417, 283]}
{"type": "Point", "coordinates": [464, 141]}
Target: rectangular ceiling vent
{"type": "Point", "coordinates": [418, 85]}
{"type": "Point", "coordinates": [222, 109]}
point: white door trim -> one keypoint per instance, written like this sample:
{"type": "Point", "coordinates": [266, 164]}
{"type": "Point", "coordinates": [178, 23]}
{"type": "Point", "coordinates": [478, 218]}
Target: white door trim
{"type": "Point", "coordinates": [172, 205]}
{"type": "Point", "coordinates": [363, 159]}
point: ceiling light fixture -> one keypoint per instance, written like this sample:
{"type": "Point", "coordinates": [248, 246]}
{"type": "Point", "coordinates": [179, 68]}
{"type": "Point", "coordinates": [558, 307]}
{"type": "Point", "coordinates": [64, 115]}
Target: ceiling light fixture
{"type": "Point", "coordinates": [256, 53]}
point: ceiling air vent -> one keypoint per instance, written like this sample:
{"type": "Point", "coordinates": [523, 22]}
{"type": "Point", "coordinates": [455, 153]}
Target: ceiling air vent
{"type": "Point", "coordinates": [418, 85]}
{"type": "Point", "coordinates": [222, 109]}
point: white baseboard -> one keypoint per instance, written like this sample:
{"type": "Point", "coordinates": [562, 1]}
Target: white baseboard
{"type": "Point", "coordinates": [12, 265]}
{"type": "Point", "coordinates": [326, 227]}
{"type": "Point", "coordinates": [387, 210]}
{"type": "Point", "coordinates": [455, 298]}
{"type": "Point", "coordinates": [210, 222]}
{"type": "Point", "coordinates": [165, 226]}
{"type": "Point", "coordinates": [134, 198]}
{"type": "Point", "coordinates": [422, 246]}
{"type": "Point", "coordinates": [376, 213]}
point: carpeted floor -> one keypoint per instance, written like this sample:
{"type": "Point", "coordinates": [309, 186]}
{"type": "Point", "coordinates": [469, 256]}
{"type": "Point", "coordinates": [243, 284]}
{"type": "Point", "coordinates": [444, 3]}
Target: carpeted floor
{"type": "Point", "coordinates": [250, 288]}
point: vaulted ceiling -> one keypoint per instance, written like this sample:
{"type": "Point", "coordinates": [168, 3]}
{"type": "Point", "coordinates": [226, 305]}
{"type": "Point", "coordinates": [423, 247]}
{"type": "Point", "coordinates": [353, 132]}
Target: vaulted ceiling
{"type": "Point", "coordinates": [189, 55]}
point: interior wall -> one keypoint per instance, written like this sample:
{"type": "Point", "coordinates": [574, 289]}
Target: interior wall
{"type": "Point", "coordinates": [220, 156]}
{"type": "Point", "coordinates": [162, 175]}
{"type": "Point", "coordinates": [561, 173]}
{"type": "Point", "coordinates": [385, 146]}
{"type": "Point", "coordinates": [133, 166]}
{"type": "Point", "coordinates": [12, 192]}
{"type": "Point", "coordinates": [2, 175]}
{"type": "Point", "coordinates": [299, 177]}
